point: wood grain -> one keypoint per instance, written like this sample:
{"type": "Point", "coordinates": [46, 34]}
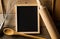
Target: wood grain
{"type": "Point", "coordinates": [1, 11]}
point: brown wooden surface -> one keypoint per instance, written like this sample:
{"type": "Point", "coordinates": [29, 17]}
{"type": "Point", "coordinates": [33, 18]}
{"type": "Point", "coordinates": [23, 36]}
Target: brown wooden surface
{"type": "Point", "coordinates": [57, 10]}
{"type": "Point", "coordinates": [44, 32]}
{"type": "Point", "coordinates": [1, 11]}
{"type": "Point", "coordinates": [56, 14]}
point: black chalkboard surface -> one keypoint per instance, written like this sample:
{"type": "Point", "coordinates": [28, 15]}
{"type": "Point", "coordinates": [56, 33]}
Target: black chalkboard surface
{"type": "Point", "coordinates": [27, 19]}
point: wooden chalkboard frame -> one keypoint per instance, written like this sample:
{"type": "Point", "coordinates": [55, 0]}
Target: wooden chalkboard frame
{"type": "Point", "coordinates": [37, 14]}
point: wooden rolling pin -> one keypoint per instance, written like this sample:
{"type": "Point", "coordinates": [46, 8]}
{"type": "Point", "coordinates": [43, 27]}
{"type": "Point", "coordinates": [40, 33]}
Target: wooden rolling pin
{"type": "Point", "coordinates": [9, 31]}
{"type": "Point", "coordinates": [48, 21]}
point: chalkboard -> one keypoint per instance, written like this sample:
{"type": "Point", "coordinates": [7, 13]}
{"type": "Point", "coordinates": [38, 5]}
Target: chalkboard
{"type": "Point", "coordinates": [27, 19]}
